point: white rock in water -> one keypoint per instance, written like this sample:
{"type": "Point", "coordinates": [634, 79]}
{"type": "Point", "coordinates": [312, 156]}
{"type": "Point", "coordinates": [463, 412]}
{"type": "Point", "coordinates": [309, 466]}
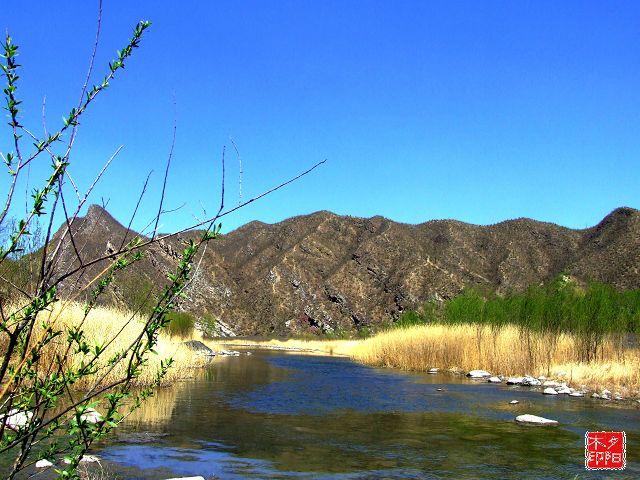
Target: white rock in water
{"type": "Point", "coordinates": [550, 391]}
{"type": "Point", "coordinates": [433, 370]}
{"type": "Point", "coordinates": [550, 383]}
{"type": "Point", "coordinates": [43, 464]}
{"type": "Point", "coordinates": [90, 415]}
{"type": "Point", "coordinates": [576, 394]}
{"type": "Point", "coordinates": [85, 459]}
{"type": "Point", "coordinates": [606, 393]}
{"type": "Point", "coordinates": [514, 381]}
{"type": "Point", "coordinates": [514, 402]}
{"type": "Point", "coordinates": [534, 419]}
{"type": "Point", "coordinates": [187, 478]}
{"type": "Point", "coordinates": [542, 378]}
{"type": "Point", "coordinates": [595, 395]}
{"type": "Point", "coordinates": [478, 374]}
{"type": "Point", "coordinates": [564, 390]}
{"type": "Point", "coordinates": [617, 396]}
{"type": "Point", "coordinates": [17, 419]}
{"type": "Point", "coordinates": [494, 380]}
{"type": "Point", "coordinates": [528, 381]}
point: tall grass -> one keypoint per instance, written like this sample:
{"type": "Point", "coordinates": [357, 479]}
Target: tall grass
{"type": "Point", "coordinates": [118, 329]}
{"type": "Point", "coordinates": [507, 349]}
{"type": "Point", "coordinates": [590, 314]}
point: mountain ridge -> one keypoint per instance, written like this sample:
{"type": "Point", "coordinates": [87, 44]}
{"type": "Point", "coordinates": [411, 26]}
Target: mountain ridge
{"type": "Point", "coordinates": [324, 272]}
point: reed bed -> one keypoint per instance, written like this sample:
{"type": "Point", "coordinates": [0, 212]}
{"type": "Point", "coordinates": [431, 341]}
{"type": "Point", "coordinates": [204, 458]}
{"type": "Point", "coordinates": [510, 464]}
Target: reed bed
{"type": "Point", "coordinates": [119, 328]}
{"type": "Point", "coordinates": [506, 349]}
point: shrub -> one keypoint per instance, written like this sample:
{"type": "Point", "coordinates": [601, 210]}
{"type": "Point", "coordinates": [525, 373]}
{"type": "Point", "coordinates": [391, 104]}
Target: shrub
{"type": "Point", "coordinates": [181, 324]}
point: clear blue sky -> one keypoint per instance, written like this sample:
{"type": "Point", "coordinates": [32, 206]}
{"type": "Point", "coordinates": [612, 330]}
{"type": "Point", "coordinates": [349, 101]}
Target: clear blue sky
{"type": "Point", "coordinates": [477, 111]}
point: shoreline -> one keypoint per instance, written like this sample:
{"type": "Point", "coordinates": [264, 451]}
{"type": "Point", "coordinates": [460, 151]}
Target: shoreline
{"type": "Point", "coordinates": [624, 396]}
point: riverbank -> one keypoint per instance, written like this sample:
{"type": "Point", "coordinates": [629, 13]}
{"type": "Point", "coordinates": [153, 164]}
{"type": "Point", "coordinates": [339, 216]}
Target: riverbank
{"type": "Point", "coordinates": [116, 329]}
{"type": "Point", "coordinates": [506, 351]}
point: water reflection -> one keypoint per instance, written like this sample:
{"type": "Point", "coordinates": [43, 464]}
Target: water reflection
{"type": "Point", "coordinates": [287, 416]}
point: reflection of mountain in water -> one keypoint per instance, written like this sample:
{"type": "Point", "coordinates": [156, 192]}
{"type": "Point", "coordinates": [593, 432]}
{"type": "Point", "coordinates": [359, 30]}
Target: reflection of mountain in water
{"type": "Point", "coordinates": [272, 415]}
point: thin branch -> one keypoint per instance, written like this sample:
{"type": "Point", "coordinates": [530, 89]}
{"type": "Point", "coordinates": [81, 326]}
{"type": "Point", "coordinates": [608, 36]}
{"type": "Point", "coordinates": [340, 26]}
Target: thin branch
{"type": "Point", "coordinates": [135, 210]}
{"type": "Point", "coordinates": [196, 225]}
{"type": "Point", "coordinates": [240, 173]}
{"type": "Point", "coordinates": [166, 173]}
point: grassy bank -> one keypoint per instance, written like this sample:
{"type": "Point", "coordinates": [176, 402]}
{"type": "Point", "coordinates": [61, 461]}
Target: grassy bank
{"type": "Point", "coordinates": [507, 349]}
{"type": "Point", "coordinates": [117, 329]}
{"type": "Point", "coordinates": [323, 347]}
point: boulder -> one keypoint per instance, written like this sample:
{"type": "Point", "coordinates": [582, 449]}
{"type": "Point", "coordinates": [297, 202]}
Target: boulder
{"type": "Point", "coordinates": [535, 420]}
{"type": "Point", "coordinates": [229, 353]}
{"type": "Point", "coordinates": [514, 381]}
{"type": "Point", "coordinates": [90, 415]}
{"type": "Point", "coordinates": [528, 381]}
{"type": "Point", "coordinates": [550, 383]}
{"type": "Point", "coordinates": [576, 394]}
{"type": "Point", "coordinates": [17, 419]}
{"type": "Point", "coordinates": [478, 374]}
{"type": "Point", "coordinates": [564, 390]}
{"type": "Point", "coordinates": [433, 370]}
{"type": "Point", "coordinates": [494, 380]}
{"type": "Point", "coordinates": [550, 391]}
{"type": "Point", "coordinates": [199, 347]}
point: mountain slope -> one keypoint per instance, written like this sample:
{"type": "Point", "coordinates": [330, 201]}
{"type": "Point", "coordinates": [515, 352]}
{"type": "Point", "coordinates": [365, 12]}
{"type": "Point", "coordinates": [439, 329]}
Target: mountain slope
{"type": "Point", "coordinates": [326, 271]}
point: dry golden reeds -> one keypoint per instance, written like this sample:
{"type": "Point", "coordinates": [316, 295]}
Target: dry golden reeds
{"type": "Point", "coordinates": [507, 350]}
{"type": "Point", "coordinates": [118, 329]}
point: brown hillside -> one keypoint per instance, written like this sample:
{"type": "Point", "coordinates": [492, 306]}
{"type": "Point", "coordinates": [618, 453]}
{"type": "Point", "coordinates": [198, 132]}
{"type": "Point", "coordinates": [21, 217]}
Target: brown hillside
{"type": "Point", "coordinates": [336, 272]}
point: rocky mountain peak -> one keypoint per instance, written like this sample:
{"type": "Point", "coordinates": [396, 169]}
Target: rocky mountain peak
{"type": "Point", "coordinates": [326, 272]}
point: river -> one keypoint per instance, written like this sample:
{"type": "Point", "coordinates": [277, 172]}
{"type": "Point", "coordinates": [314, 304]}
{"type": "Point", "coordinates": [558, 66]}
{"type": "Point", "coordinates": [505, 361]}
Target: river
{"type": "Point", "coordinates": [273, 415]}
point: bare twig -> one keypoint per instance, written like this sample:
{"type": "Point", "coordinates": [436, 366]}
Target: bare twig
{"type": "Point", "coordinates": [240, 172]}
{"type": "Point", "coordinates": [166, 174]}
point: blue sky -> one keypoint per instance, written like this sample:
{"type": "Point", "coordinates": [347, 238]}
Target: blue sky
{"type": "Point", "coordinates": [477, 111]}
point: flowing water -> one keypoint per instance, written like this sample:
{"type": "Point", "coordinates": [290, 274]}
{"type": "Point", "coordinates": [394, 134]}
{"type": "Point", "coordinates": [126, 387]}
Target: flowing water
{"type": "Point", "coordinates": [281, 416]}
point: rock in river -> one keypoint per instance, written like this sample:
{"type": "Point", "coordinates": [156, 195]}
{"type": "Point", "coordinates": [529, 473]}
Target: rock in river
{"type": "Point", "coordinates": [494, 380]}
{"type": "Point", "coordinates": [535, 420]}
{"type": "Point", "coordinates": [550, 391]}
{"type": "Point", "coordinates": [199, 347]}
{"type": "Point", "coordinates": [478, 374]}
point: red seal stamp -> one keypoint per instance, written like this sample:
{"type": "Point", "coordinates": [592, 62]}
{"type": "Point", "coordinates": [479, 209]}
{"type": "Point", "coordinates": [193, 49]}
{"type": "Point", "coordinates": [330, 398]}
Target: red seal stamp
{"type": "Point", "coordinates": [605, 450]}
